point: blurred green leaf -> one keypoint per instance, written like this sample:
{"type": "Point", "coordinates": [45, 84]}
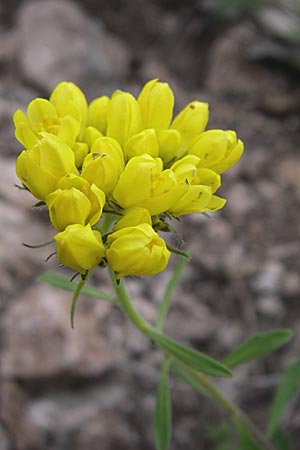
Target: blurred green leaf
{"type": "Point", "coordinates": [63, 282]}
{"type": "Point", "coordinates": [162, 415]}
{"type": "Point", "coordinates": [258, 345]}
{"type": "Point", "coordinates": [286, 390]}
{"type": "Point", "coordinates": [281, 440]}
{"type": "Point", "coordinates": [246, 441]}
{"type": "Point", "coordinates": [192, 358]}
{"type": "Point", "coordinates": [188, 379]}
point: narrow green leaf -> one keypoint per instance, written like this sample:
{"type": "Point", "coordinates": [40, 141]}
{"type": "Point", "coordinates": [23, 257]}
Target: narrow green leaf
{"type": "Point", "coordinates": [258, 345]}
{"type": "Point", "coordinates": [192, 358]}
{"type": "Point", "coordinates": [281, 440]}
{"type": "Point", "coordinates": [61, 281]}
{"type": "Point", "coordinates": [188, 379]}
{"type": "Point", "coordinates": [162, 415]}
{"type": "Point", "coordinates": [286, 390]}
{"type": "Point", "coordinates": [246, 441]}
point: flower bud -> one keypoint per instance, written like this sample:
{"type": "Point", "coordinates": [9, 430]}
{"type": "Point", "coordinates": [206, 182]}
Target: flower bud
{"type": "Point", "coordinates": [195, 200]}
{"type": "Point", "coordinates": [135, 215]}
{"type": "Point", "coordinates": [217, 149]}
{"type": "Point", "coordinates": [90, 134]}
{"type": "Point", "coordinates": [137, 250]}
{"type": "Point", "coordinates": [191, 121]}
{"type": "Point", "coordinates": [156, 101]}
{"type": "Point", "coordinates": [169, 143]}
{"type": "Point", "coordinates": [104, 164]}
{"type": "Point", "coordinates": [143, 142]}
{"type": "Point", "coordinates": [144, 183]}
{"type": "Point", "coordinates": [97, 113]}
{"type": "Point", "coordinates": [234, 151]}
{"type": "Point", "coordinates": [123, 117]}
{"type": "Point", "coordinates": [79, 247]}
{"type": "Point", "coordinates": [40, 168]}
{"type": "Point", "coordinates": [80, 150]}
{"type": "Point", "coordinates": [95, 195]}
{"type": "Point", "coordinates": [210, 147]}
{"type": "Point", "coordinates": [69, 100]}
{"type": "Point", "coordinates": [67, 207]}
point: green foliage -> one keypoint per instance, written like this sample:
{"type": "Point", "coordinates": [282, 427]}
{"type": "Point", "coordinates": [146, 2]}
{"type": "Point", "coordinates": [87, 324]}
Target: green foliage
{"type": "Point", "coordinates": [63, 282]}
{"type": "Point", "coordinates": [245, 439]}
{"type": "Point", "coordinates": [258, 345]}
{"type": "Point", "coordinates": [281, 440]}
{"type": "Point", "coordinates": [188, 378]}
{"type": "Point", "coordinates": [285, 392]}
{"type": "Point", "coordinates": [237, 7]}
{"type": "Point", "coordinates": [189, 357]}
{"type": "Point", "coordinates": [162, 415]}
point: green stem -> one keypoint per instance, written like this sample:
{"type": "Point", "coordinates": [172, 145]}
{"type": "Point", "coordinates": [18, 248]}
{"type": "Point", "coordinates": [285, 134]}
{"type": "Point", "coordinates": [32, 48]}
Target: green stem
{"type": "Point", "coordinates": [165, 303]}
{"type": "Point", "coordinates": [125, 303]}
{"type": "Point", "coordinates": [231, 408]}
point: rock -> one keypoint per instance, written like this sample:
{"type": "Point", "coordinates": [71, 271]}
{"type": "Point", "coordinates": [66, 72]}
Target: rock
{"type": "Point", "coordinates": [39, 342]}
{"type": "Point", "coordinates": [57, 41]}
{"type": "Point", "coordinates": [68, 416]}
{"type": "Point", "coordinates": [18, 224]}
{"type": "Point", "coordinates": [268, 280]}
{"type": "Point", "coordinates": [241, 201]}
{"type": "Point", "coordinates": [20, 433]}
{"type": "Point", "coordinates": [271, 306]}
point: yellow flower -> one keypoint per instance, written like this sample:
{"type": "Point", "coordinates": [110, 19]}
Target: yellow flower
{"type": "Point", "coordinates": [217, 149]}
{"type": "Point", "coordinates": [191, 121]}
{"type": "Point", "coordinates": [137, 250]}
{"type": "Point", "coordinates": [144, 183]}
{"type": "Point", "coordinates": [97, 113]}
{"type": "Point", "coordinates": [68, 99]}
{"type": "Point", "coordinates": [79, 247]}
{"type": "Point", "coordinates": [64, 115]}
{"type": "Point", "coordinates": [77, 204]}
{"type": "Point", "coordinates": [135, 215]}
{"type": "Point", "coordinates": [40, 168]}
{"type": "Point", "coordinates": [169, 143]}
{"type": "Point", "coordinates": [123, 117]}
{"type": "Point", "coordinates": [143, 142]}
{"type": "Point", "coordinates": [104, 164]}
{"type": "Point", "coordinates": [156, 101]}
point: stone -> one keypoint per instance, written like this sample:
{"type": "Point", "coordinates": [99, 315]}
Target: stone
{"type": "Point", "coordinates": [57, 41]}
{"type": "Point", "coordinates": [39, 341]}
{"type": "Point", "coordinates": [271, 306]}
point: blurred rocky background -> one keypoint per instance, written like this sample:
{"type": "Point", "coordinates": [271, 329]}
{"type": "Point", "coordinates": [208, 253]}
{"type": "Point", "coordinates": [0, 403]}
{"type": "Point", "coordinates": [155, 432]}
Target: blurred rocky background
{"type": "Point", "coordinates": [93, 387]}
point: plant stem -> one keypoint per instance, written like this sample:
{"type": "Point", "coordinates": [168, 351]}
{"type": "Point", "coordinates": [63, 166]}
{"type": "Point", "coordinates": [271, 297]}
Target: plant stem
{"type": "Point", "coordinates": [165, 303]}
{"type": "Point", "coordinates": [231, 408]}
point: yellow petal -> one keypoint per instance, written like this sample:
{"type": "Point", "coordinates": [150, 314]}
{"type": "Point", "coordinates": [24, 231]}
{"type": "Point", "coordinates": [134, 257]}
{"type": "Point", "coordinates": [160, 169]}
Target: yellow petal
{"type": "Point", "coordinates": [97, 114]}
{"type": "Point", "coordinates": [169, 143]}
{"type": "Point", "coordinates": [143, 142]}
{"type": "Point", "coordinates": [156, 101]}
{"type": "Point", "coordinates": [123, 117]}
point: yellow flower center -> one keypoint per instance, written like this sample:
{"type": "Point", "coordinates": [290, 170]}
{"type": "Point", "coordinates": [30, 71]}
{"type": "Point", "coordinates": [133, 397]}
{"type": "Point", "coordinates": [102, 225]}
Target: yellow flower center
{"type": "Point", "coordinates": [50, 125]}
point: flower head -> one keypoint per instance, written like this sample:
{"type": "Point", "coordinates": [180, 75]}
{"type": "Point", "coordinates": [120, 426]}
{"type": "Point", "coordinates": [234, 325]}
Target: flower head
{"type": "Point", "coordinates": [123, 156]}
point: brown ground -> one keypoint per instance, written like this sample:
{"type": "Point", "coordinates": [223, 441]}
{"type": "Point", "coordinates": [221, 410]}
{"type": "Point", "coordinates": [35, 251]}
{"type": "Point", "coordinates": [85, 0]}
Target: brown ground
{"type": "Point", "coordinates": [93, 388]}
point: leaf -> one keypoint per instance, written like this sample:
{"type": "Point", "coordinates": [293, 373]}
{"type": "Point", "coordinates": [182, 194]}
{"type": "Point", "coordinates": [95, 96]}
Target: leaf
{"type": "Point", "coordinates": [258, 345]}
{"type": "Point", "coordinates": [162, 415]}
{"type": "Point", "coordinates": [286, 390]}
{"type": "Point", "coordinates": [60, 281]}
{"type": "Point", "coordinates": [188, 379]}
{"type": "Point", "coordinates": [192, 358]}
{"type": "Point", "coordinates": [281, 440]}
{"type": "Point", "coordinates": [246, 441]}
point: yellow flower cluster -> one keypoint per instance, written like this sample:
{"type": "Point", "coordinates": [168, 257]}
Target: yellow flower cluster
{"type": "Point", "coordinates": [124, 155]}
